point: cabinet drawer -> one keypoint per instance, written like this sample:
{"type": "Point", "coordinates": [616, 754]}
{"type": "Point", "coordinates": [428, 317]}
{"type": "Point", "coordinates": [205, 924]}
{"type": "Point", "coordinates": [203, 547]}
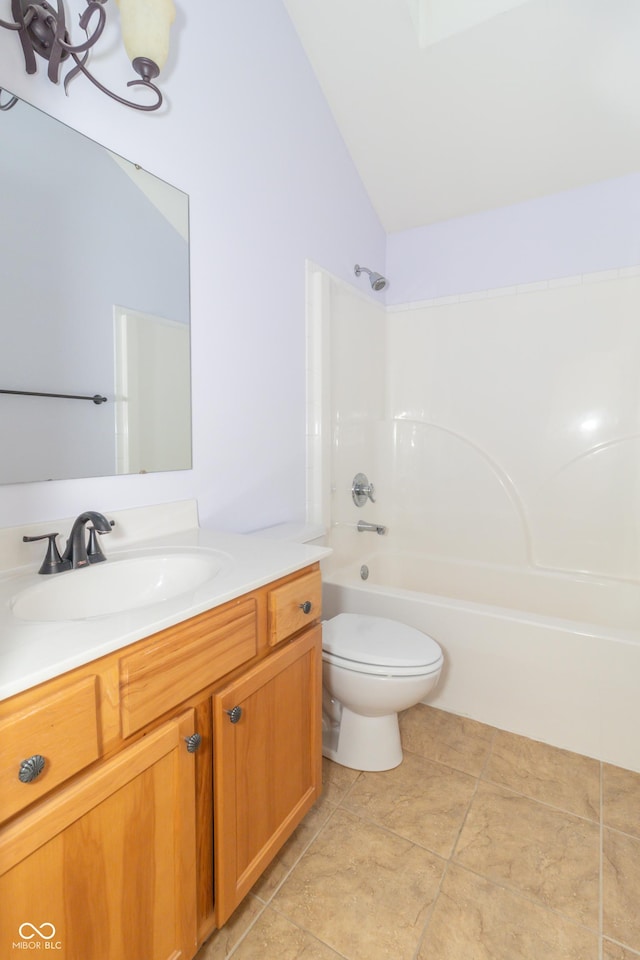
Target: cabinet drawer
{"type": "Point", "coordinates": [192, 655]}
{"type": "Point", "coordinates": [62, 729]}
{"type": "Point", "coordinates": [287, 606]}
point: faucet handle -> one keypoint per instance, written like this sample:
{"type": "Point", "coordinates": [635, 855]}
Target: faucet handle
{"type": "Point", "coordinates": [53, 562]}
{"type": "Point", "coordinates": [94, 550]}
{"type": "Point", "coordinates": [361, 489]}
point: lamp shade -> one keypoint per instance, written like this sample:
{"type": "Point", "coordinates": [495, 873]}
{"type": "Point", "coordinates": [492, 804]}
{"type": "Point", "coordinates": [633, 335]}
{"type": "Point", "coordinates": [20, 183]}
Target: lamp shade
{"type": "Point", "coordinates": [145, 28]}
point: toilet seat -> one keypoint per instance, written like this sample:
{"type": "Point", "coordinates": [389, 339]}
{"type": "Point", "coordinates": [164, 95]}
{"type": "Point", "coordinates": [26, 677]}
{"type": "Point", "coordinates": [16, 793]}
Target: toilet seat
{"type": "Point", "coordinates": [378, 646]}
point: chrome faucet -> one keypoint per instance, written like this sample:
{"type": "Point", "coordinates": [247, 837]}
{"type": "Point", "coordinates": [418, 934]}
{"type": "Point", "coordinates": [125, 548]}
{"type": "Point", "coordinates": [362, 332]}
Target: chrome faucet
{"type": "Point", "coordinates": [364, 527]}
{"type": "Point", "coordinates": [76, 553]}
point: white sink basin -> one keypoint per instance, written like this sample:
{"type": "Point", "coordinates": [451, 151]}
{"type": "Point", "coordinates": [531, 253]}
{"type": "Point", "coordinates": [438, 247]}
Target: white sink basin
{"type": "Point", "coordinates": [117, 585]}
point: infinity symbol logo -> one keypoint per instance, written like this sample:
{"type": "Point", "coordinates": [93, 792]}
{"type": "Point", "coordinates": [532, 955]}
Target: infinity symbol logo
{"type": "Point", "coordinates": [37, 931]}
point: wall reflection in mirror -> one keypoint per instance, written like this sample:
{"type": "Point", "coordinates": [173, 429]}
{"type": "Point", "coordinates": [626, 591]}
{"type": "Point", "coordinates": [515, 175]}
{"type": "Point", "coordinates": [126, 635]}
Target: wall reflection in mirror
{"type": "Point", "coordinates": [94, 287]}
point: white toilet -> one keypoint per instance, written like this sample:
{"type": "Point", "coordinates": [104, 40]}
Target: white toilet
{"type": "Point", "coordinates": [372, 668]}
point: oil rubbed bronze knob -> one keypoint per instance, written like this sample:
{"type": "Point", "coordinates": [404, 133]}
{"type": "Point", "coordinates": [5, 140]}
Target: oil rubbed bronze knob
{"type": "Point", "coordinates": [306, 606]}
{"type": "Point", "coordinates": [234, 714]}
{"type": "Point", "coordinates": [31, 768]}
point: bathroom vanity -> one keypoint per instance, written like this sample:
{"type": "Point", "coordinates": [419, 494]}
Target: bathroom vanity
{"type": "Point", "coordinates": [175, 767]}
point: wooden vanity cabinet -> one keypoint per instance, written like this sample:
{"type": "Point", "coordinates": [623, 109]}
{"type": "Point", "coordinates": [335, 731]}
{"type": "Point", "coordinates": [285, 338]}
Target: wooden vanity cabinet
{"type": "Point", "coordinates": [267, 762]}
{"type": "Point", "coordinates": [61, 727]}
{"type": "Point", "coordinates": [110, 853]}
{"type": "Point", "coordinates": [105, 869]}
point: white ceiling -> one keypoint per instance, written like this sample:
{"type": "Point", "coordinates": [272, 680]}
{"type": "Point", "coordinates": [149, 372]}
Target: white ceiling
{"type": "Point", "coordinates": [541, 97]}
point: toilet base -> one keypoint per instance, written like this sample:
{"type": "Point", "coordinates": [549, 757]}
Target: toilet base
{"type": "Point", "coordinates": [362, 743]}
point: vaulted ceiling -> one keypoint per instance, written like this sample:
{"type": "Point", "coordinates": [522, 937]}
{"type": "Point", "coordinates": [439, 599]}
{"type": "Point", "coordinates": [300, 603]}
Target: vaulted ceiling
{"type": "Point", "coordinates": [446, 117]}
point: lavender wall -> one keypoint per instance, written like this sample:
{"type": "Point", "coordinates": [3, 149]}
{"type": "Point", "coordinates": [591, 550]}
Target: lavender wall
{"type": "Point", "coordinates": [248, 134]}
{"type": "Point", "coordinates": [582, 231]}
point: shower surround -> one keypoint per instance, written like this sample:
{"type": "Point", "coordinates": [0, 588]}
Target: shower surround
{"type": "Point", "coordinates": [501, 430]}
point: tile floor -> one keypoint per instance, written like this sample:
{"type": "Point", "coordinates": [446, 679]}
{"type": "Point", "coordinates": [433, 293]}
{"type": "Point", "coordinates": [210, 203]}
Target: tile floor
{"type": "Point", "coordinates": [481, 845]}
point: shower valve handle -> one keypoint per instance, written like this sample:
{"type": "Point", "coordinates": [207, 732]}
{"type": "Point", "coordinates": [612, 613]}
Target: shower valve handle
{"type": "Point", "coordinates": [361, 490]}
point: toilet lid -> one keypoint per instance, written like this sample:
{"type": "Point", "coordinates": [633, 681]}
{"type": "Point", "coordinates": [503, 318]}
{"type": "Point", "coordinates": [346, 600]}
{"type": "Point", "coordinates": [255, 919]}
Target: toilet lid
{"type": "Point", "coordinates": [378, 641]}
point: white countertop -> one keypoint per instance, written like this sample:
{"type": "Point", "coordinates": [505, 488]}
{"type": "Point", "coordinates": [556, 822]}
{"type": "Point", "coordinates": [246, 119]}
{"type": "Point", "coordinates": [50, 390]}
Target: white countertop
{"type": "Point", "coordinates": [31, 652]}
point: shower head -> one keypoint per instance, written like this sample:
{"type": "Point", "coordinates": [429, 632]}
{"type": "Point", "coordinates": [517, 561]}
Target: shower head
{"type": "Point", "coordinates": [377, 281]}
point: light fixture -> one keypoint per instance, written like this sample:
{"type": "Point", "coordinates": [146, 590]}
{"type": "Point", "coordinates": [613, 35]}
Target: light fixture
{"type": "Point", "coordinates": [145, 31]}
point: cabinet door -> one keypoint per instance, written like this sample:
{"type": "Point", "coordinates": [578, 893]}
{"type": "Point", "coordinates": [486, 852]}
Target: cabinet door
{"type": "Point", "coordinates": [105, 869]}
{"type": "Point", "coordinates": [267, 764]}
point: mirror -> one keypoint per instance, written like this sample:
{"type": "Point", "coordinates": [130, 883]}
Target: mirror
{"type": "Point", "coordinates": [94, 268]}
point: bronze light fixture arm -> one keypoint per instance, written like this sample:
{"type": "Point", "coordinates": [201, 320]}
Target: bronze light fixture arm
{"type": "Point", "coordinates": [93, 6]}
{"type": "Point", "coordinates": [80, 68]}
{"type": "Point", "coordinates": [42, 30]}
{"type": "Point", "coordinates": [10, 26]}
{"type": "Point", "coordinates": [22, 23]}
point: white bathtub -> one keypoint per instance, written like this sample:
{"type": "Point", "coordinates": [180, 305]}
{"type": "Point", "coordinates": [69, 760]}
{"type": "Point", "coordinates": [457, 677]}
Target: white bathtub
{"type": "Point", "coordinates": [551, 656]}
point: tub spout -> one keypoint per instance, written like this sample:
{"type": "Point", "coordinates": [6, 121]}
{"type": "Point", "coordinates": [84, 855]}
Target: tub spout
{"type": "Point", "coordinates": [364, 527]}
